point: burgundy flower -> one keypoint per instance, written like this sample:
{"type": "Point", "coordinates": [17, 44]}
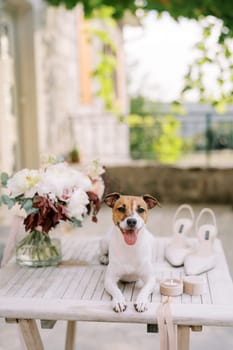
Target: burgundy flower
{"type": "Point", "coordinates": [48, 214]}
{"type": "Point", "coordinates": [94, 205]}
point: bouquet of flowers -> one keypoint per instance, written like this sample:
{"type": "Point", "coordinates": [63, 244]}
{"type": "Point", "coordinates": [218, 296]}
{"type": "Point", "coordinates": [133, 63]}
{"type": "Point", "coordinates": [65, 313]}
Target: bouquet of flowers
{"type": "Point", "coordinates": [54, 193]}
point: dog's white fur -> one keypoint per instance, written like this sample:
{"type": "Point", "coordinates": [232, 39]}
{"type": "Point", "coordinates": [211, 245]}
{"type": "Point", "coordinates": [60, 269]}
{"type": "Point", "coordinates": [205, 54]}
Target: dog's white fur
{"type": "Point", "coordinates": [129, 263]}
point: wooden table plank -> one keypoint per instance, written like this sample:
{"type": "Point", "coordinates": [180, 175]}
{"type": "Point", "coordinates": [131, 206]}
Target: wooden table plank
{"type": "Point", "coordinates": [74, 284]}
{"type": "Point", "coordinates": [84, 310]}
{"type": "Point", "coordinates": [77, 292]}
{"type": "Point", "coordinates": [31, 336]}
{"type": "Point", "coordinates": [99, 289]}
{"type": "Point", "coordinates": [42, 284]}
{"type": "Point", "coordinates": [92, 284]}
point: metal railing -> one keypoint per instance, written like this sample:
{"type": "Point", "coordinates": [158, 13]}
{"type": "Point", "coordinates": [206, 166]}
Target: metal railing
{"type": "Point", "coordinates": [195, 139]}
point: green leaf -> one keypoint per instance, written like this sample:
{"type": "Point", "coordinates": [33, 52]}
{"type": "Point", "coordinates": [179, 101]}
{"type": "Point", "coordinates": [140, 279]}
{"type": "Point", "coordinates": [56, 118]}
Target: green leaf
{"type": "Point", "coordinates": [105, 13]}
{"type": "Point", "coordinates": [27, 205]}
{"type": "Point", "coordinates": [201, 46]}
{"type": "Point", "coordinates": [76, 222]}
{"type": "Point", "coordinates": [220, 107]}
{"type": "Point", "coordinates": [10, 202]}
{"type": "Point", "coordinates": [31, 211]}
{"type": "Point", "coordinates": [207, 31]}
{"type": "Point", "coordinates": [4, 179]}
{"type": "Point", "coordinates": [227, 52]}
{"type": "Point", "coordinates": [178, 108]}
{"type": "Point", "coordinates": [220, 81]}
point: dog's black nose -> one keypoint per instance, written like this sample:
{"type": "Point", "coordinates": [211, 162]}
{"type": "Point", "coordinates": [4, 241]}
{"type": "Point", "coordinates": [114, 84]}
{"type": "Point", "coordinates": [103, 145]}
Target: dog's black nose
{"type": "Point", "coordinates": [131, 222]}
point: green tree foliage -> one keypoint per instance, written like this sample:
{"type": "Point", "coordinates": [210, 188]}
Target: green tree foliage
{"type": "Point", "coordinates": [153, 135]}
{"type": "Point", "coordinates": [141, 105]}
{"type": "Point", "coordinates": [103, 73]}
{"type": "Point", "coordinates": [177, 8]}
{"type": "Point", "coordinates": [205, 11]}
{"type": "Point", "coordinates": [142, 134]}
{"type": "Point", "coordinates": [213, 63]}
{"type": "Point", "coordinates": [107, 62]}
{"type": "Point", "coordinates": [168, 146]}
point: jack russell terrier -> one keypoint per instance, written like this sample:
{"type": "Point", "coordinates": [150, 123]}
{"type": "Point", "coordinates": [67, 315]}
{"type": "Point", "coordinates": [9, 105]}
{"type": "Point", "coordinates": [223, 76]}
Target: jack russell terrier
{"type": "Point", "coordinates": [129, 249]}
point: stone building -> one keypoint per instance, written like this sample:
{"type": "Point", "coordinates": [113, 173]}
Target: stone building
{"type": "Point", "coordinates": [48, 100]}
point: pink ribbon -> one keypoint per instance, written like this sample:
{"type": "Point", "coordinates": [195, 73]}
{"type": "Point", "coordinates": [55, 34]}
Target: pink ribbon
{"type": "Point", "coordinates": [10, 244]}
{"type": "Point", "coordinates": [165, 324]}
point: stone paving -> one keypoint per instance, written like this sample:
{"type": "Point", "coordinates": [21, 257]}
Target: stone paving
{"type": "Point", "coordinates": [105, 336]}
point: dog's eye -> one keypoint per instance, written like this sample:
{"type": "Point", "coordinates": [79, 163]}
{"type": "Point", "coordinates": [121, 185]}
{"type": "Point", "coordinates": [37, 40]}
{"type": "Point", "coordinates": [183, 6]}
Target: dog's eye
{"type": "Point", "coordinates": [140, 210]}
{"type": "Point", "coordinates": [121, 209]}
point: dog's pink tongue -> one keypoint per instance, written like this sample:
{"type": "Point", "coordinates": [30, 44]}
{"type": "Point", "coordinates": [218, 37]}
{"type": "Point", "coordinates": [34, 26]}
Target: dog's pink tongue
{"type": "Point", "coordinates": [130, 236]}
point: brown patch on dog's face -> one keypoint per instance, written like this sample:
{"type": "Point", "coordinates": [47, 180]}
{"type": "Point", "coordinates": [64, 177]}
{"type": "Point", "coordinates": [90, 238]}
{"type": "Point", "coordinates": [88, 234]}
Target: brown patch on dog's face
{"type": "Point", "coordinates": [127, 206]}
{"type": "Point", "coordinates": [130, 213]}
{"type": "Point", "coordinates": [151, 201]}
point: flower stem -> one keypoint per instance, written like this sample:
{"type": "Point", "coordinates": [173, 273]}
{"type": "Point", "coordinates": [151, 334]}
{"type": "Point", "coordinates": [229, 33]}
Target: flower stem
{"type": "Point", "coordinates": [38, 249]}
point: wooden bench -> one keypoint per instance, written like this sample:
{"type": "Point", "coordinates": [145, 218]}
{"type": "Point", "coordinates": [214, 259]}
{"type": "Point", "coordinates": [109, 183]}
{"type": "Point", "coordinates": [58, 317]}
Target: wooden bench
{"type": "Point", "coordinates": [74, 291]}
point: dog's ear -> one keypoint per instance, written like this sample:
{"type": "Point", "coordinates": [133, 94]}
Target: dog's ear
{"type": "Point", "coordinates": [111, 198]}
{"type": "Point", "coordinates": [150, 201]}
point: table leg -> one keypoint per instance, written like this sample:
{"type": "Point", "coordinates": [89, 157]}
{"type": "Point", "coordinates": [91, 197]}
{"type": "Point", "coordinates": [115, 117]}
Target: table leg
{"type": "Point", "coordinates": [30, 334]}
{"type": "Point", "coordinates": [70, 335]}
{"type": "Point", "coordinates": [183, 333]}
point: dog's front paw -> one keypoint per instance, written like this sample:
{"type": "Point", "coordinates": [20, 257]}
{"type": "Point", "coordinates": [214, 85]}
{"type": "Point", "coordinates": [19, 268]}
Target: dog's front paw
{"type": "Point", "coordinates": [141, 305]}
{"type": "Point", "coordinates": [119, 305]}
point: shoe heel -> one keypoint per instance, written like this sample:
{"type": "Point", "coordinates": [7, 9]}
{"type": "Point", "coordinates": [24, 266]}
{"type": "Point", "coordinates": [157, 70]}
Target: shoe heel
{"type": "Point", "coordinates": [182, 224]}
{"type": "Point", "coordinates": [204, 257]}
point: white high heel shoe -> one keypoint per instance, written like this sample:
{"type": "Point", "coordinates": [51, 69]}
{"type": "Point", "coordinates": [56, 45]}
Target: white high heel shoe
{"type": "Point", "coordinates": [176, 251]}
{"type": "Point", "coordinates": [203, 258]}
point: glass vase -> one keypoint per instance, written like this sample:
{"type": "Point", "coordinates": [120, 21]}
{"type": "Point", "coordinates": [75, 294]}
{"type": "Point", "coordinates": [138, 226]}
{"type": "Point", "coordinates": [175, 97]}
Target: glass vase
{"type": "Point", "coordinates": [37, 249]}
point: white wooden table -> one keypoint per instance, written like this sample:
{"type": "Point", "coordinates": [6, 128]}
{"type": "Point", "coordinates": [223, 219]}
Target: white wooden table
{"type": "Point", "coordinates": [74, 291]}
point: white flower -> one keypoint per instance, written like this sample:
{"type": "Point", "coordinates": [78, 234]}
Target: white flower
{"type": "Point", "coordinates": [77, 204]}
{"type": "Point", "coordinates": [47, 159]}
{"type": "Point", "coordinates": [95, 169]}
{"type": "Point", "coordinates": [98, 187]}
{"type": "Point", "coordinates": [59, 179]}
{"type": "Point", "coordinates": [24, 182]}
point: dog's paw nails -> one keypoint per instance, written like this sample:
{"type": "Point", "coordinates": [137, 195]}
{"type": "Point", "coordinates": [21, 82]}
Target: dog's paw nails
{"type": "Point", "coordinates": [119, 306]}
{"type": "Point", "coordinates": [140, 306]}
{"type": "Point", "coordinates": [103, 259]}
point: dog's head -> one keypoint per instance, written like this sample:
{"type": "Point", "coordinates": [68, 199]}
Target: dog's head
{"type": "Point", "coordinates": [130, 213]}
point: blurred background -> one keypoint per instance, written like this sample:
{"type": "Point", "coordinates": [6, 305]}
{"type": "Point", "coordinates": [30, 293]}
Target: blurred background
{"type": "Point", "coordinates": [144, 86]}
